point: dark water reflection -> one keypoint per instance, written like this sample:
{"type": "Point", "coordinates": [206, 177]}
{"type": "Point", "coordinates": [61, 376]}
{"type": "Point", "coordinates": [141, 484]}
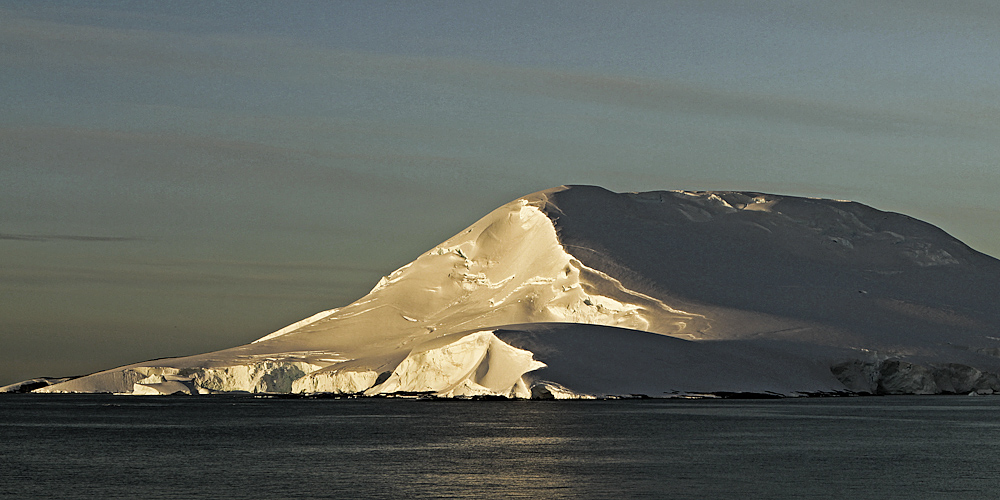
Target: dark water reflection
{"type": "Point", "coordinates": [56, 446]}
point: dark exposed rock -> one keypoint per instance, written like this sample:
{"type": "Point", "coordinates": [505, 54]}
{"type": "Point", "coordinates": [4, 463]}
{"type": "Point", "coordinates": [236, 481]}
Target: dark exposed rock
{"type": "Point", "coordinates": [895, 376]}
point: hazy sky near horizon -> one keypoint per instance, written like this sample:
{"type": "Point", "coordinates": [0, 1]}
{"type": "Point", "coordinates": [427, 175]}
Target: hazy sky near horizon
{"type": "Point", "coordinates": [178, 177]}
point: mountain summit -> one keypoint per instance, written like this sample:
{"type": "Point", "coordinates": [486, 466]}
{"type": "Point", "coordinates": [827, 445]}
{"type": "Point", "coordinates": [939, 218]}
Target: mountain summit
{"type": "Point", "coordinates": [577, 291]}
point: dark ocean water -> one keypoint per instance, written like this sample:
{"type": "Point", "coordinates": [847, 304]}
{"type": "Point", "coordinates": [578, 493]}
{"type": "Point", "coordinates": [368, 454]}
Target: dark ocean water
{"type": "Point", "coordinates": [109, 447]}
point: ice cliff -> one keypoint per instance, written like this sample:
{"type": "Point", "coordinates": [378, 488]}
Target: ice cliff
{"type": "Point", "coordinates": [578, 291]}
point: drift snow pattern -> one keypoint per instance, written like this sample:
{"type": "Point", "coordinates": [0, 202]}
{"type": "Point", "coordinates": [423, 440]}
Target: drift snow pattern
{"type": "Point", "coordinates": [577, 291]}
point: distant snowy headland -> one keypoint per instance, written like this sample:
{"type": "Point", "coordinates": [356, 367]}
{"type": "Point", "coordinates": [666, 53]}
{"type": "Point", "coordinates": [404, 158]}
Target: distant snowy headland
{"type": "Point", "coordinates": [578, 292]}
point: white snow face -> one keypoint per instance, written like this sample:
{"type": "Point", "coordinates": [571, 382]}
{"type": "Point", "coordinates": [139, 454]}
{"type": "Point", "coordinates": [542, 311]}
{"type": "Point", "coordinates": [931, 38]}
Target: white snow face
{"type": "Point", "coordinates": [509, 267]}
{"type": "Point", "coordinates": [804, 282]}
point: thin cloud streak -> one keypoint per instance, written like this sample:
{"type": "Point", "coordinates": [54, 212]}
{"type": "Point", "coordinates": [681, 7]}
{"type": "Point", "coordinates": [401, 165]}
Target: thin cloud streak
{"type": "Point", "coordinates": [68, 237]}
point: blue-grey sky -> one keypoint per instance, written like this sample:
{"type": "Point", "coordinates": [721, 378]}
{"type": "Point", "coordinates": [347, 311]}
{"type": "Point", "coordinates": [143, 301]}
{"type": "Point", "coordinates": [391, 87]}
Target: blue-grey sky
{"type": "Point", "coordinates": [178, 177]}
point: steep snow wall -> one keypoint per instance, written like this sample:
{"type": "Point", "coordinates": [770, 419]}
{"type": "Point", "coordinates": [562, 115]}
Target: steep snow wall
{"type": "Point", "coordinates": [475, 364]}
{"type": "Point", "coordinates": [464, 364]}
{"type": "Point", "coordinates": [249, 376]}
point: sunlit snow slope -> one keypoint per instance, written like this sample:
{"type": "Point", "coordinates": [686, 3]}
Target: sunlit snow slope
{"type": "Point", "coordinates": [578, 291]}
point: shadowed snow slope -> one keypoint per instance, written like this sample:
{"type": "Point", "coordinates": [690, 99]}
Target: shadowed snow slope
{"type": "Point", "coordinates": [657, 292]}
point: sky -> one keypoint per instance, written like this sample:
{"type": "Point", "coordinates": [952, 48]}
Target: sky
{"type": "Point", "coordinates": [180, 177]}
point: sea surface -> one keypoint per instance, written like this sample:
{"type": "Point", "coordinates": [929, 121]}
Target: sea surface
{"type": "Point", "coordinates": [242, 447]}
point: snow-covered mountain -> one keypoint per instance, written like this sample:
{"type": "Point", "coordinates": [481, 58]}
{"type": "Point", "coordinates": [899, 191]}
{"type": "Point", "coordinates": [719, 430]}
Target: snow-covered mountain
{"type": "Point", "coordinates": [577, 291]}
